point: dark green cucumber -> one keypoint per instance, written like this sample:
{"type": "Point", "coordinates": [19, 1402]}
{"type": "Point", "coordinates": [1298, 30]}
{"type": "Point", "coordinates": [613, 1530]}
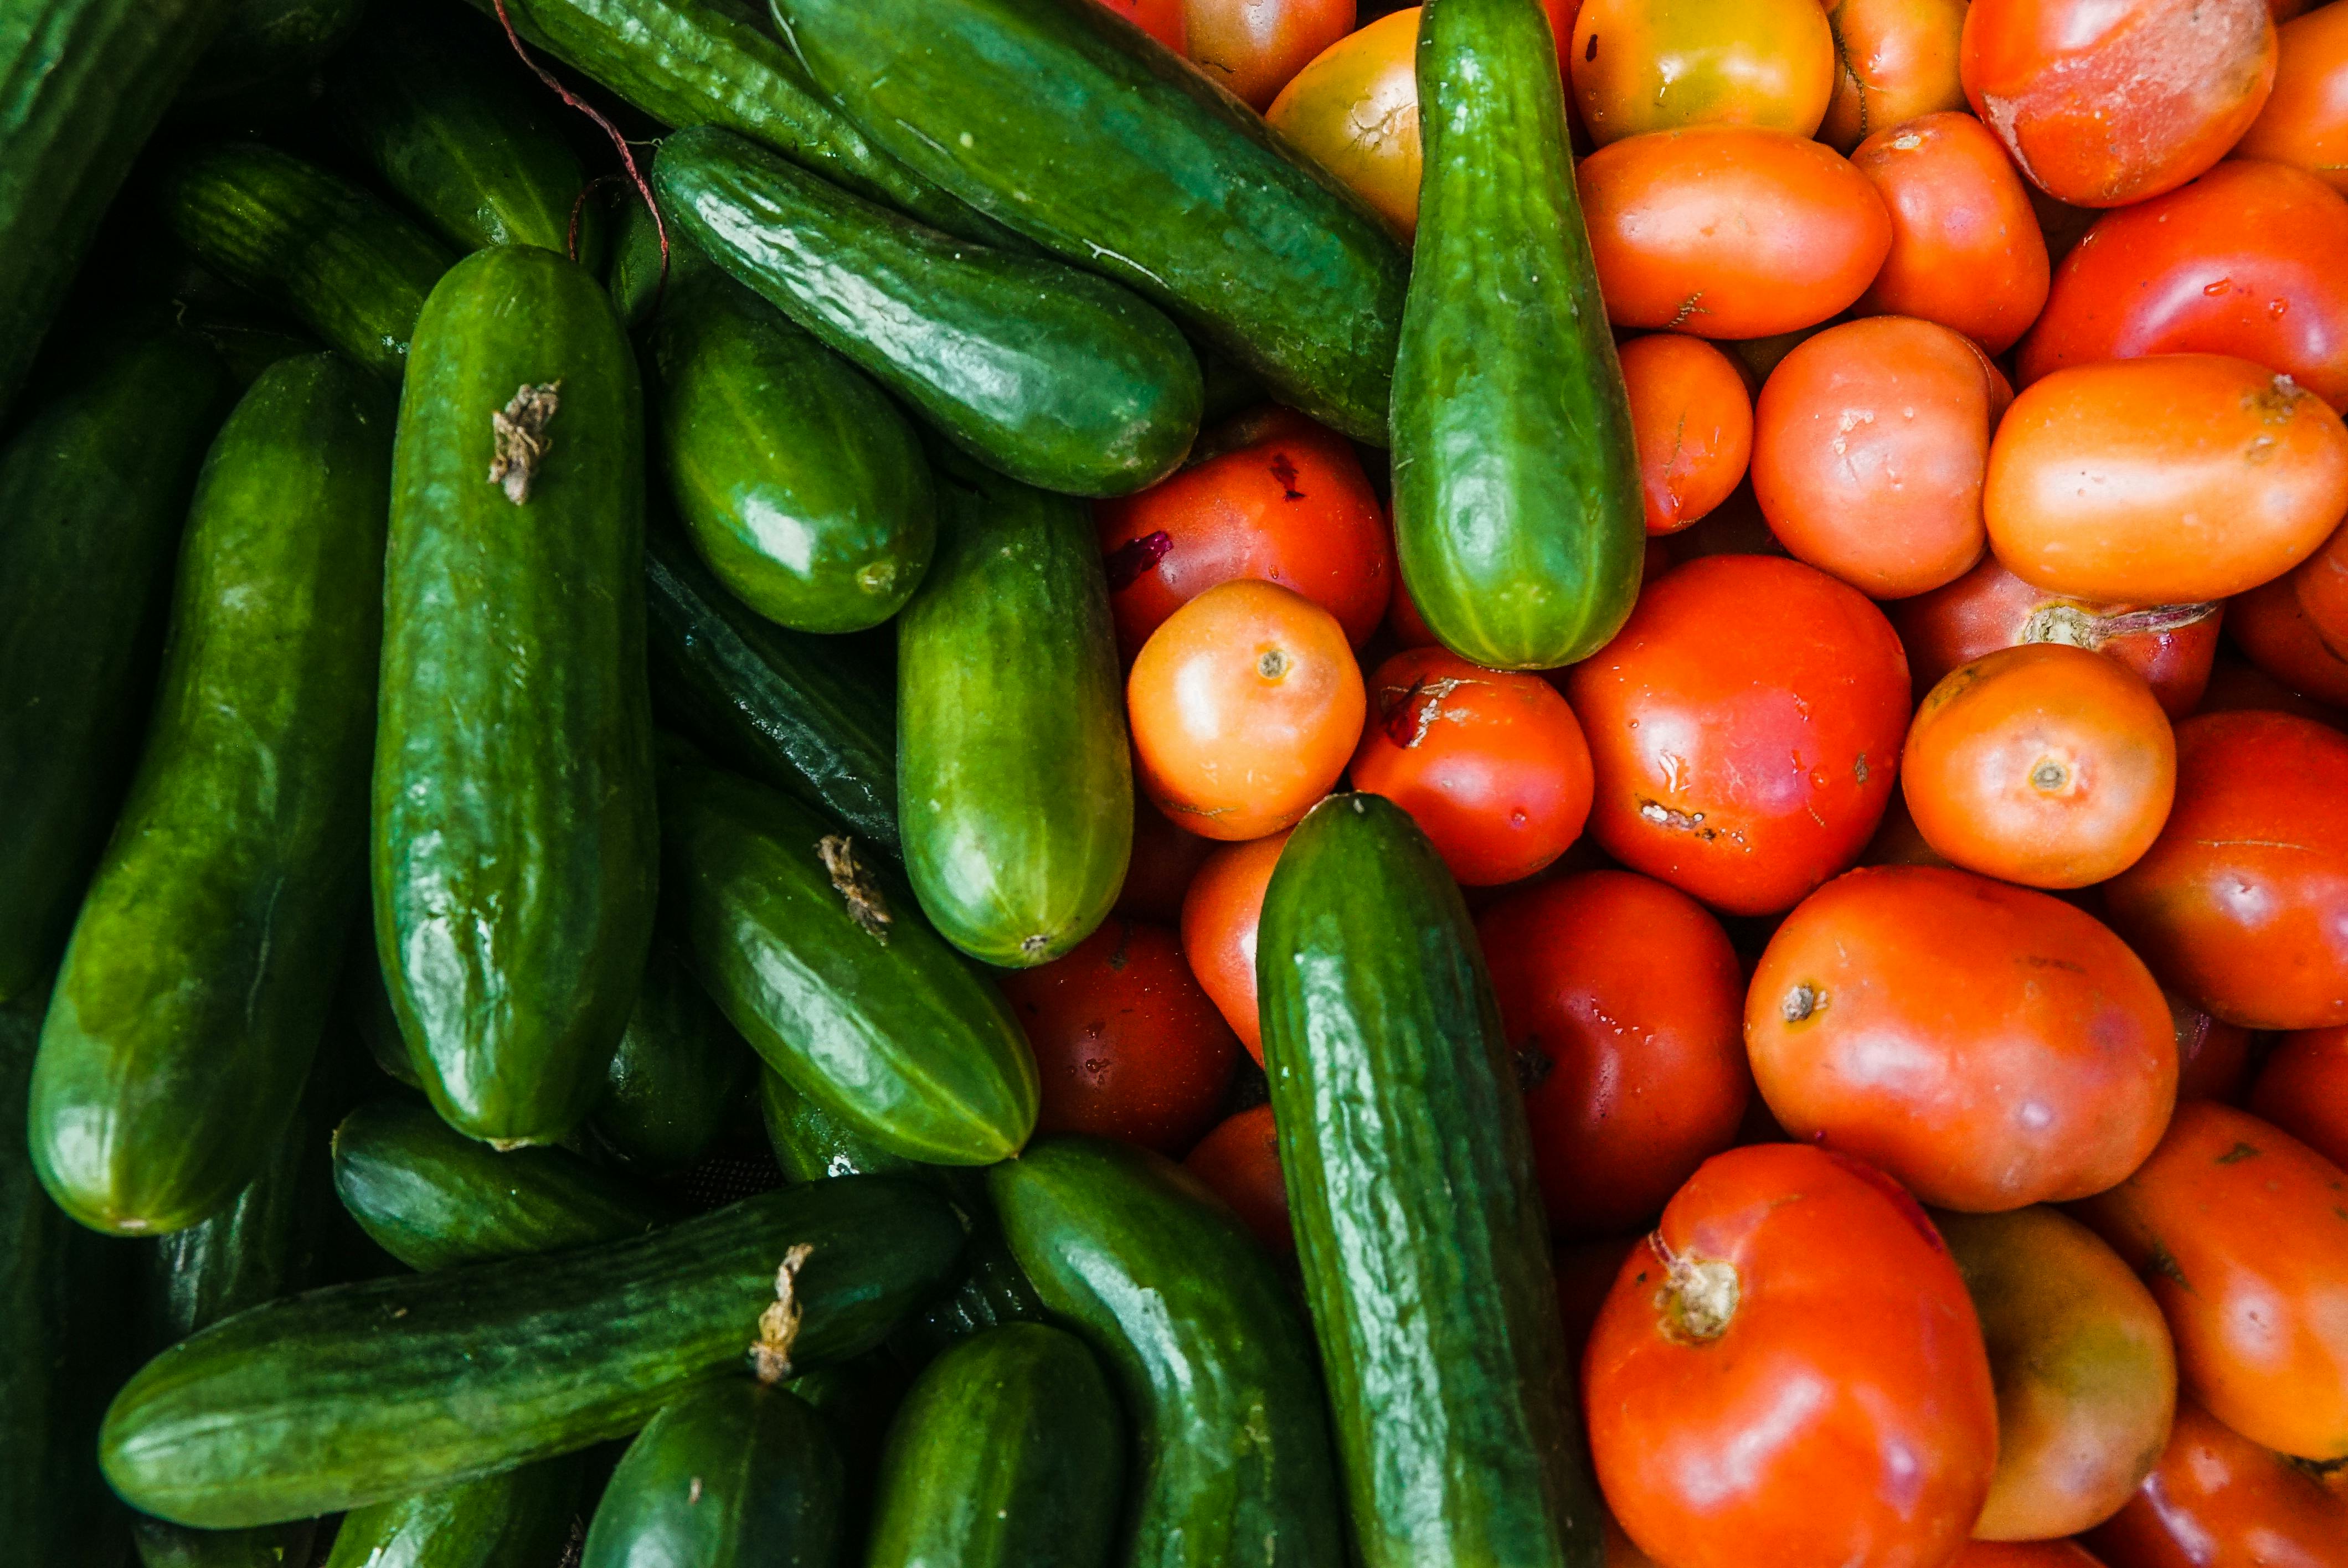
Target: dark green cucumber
{"type": "Point", "coordinates": [1015, 781]}
{"type": "Point", "coordinates": [1410, 1173]}
{"type": "Point", "coordinates": [360, 1393]}
{"type": "Point", "coordinates": [93, 493]}
{"type": "Point", "coordinates": [203, 964]}
{"type": "Point", "coordinates": [266, 38]}
{"type": "Point", "coordinates": [883, 1025]}
{"type": "Point", "coordinates": [1057, 377]}
{"type": "Point", "coordinates": [1517, 497]}
{"type": "Point", "coordinates": [1208, 1346]}
{"type": "Point", "coordinates": [1008, 1452]}
{"type": "Point", "coordinates": [516, 1519]}
{"type": "Point", "coordinates": [344, 264]}
{"type": "Point", "coordinates": [810, 1144]}
{"type": "Point", "coordinates": [680, 1071]}
{"type": "Point", "coordinates": [800, 482]}
{"type": "Point", "coordinates": [739, 1475]}
{"type": "Point", "coordinates": [515, 846]}
{"type": "Point", "coordinates": [1082, 134]}
{"type": "Point", "coordinates": [635, 275]}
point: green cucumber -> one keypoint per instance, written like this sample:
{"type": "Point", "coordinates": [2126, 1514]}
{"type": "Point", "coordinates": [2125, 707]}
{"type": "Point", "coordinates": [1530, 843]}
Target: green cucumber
{"type": "Point", "coordinates": [739, 1475]}
{"type": "Point", "coordinates": [1517, 496]}
{"type": "Point", "coordinates": [1410, 1173]}
{"type": "Point", "coordinates": [810, 1144]}
{"type": "Point", "coordinates": [636, 276]}
{"type": "Point", "coordinates": [268, 38]}
{"type": "Point", "coordinates": [800, 482]}
{"type": "Point", "coordinates": [93, 493]}
{"type": "Point", "coordinates": [1082, 134]}
{"type": "Point", "coordinates": [516, 1519]}
{"type": "Point", "coordinates": [1057, 377]}
{"type": "Point", "coordinates": [1207, 1345]}
{"type": "Point", "coordinates": [680, 1071]}
{"type": "Point", "coordinates": [515, 846]}
{"type": "Point", "coordinates": [885, 1026]}
{"type": "Point", "coordinates": [202, 966]}
{"type": "Point", "coordinates": [1014, 780]}
{"type": "Point", "coordinates": [360, 1393]}
{"type": "Point", "coordinates": [344, 264]}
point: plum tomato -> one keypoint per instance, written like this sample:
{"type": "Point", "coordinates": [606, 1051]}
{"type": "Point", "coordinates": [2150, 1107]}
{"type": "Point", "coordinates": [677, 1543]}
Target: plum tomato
{"type": "Point", "coordinates": [2271, 626]}
{"type": "Point", "coordinates": [2085, 1374]}
{"type": "Point", "coordinates": [1165, 859]}
{"type": "Point", "coordinates": [1895, 61]}
{"type": "Point", "coordinates": [1220, 915]}
{"type": "Point", "coordinates": [1239, 1163]}
{"type": "Point", "coordinates": [2106, 102]}
{"type": "Point", "coordinates": [2305, 121]}
{"type": "Point", "coordinates": [2216, 1499]}
{"type": "Point", "coordinates": [1162, 19]}
{"type": "Point", "coordinates": [1275, 496]}
{"type": "Point", "coordinates": [1126, 1045]}
{"type": "Point", "coordinates": [2024, 1554]}
{"type": "Point", "coordinates": [1355, 111]}
{"type": "Point", "coordinates": [1790, 1373]}
{"type": "Point", "coordinates": [1245, 705]}
{"type": "Point", "coordinates": [1990, 1046]}
{"type": "Point", "coordinates": [2165, 480]}
{"type": "Point", "coordinates": [2213, 1057]}
{"type": "Point", "coordinates": [1744, 730]}
{"type": "Point", "coordinates": [2303, 1089]}
{"type": "Point", "coordinates": [1966, 250]}
{"type": "Point", "coordinates": [1868, 446]}
{"type": "Point", "coordinates": [1491, 764]}
{"type": "Point", "coordinates": [1619, 999]}
{"type": "Point", "coordinates": [1729, 231]}
{"type": "Point", "coordinates": [2242, 904]}
{"type": "Point", "coordinates": [1252, 48]}
{"type": "Point", "coordinates": [2322, 584]}
{"type": "Point", "coordinates": [1693, 422]}
{"type": "Point", "coordinates": [1642, 66]}
{"type": "Point", "coordinates": [2245, 261]}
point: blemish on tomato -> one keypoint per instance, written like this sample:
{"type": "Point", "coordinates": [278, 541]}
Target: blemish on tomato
{"type": "Point", "coordinates": [1284, 471]}
{"type": "Point", "coordinates": [1130, 560]}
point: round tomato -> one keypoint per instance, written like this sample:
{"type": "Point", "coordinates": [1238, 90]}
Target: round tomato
{"type": "Point", "coordinates": [1895, 61]}
{"type": "Point", "coordinates": [2216, 1499]}
{"type": "Point", "coordinates": [1239, 1163]}
{"type": "Point", "coordinates": [1219, 920]}
{"type": "Point", "coordinates": [1164, 860]}
{"type": "Point", "coordinates": [2303, 1089]}
{"type": "Point", "coordinates": [1355, 111]}
{"type": "Point", "coordinates": [2272, 625]}
{"type": "Point", "coordinates": [1252, 48]}
{"type": "Point", "coordinates": [2322, 585]}
{"type": "Point", "coordinates": [2213, 1057]}
{"type": "Point", "coordinates": [1162, 19]}
{"type": "Point", "coordinates": [1790, 1373]}
{"type": "Point", "coordinates": [1642, 66]}
{"type": "Point", "coordinates": [1966, 250]}
{"type": "Point", "coordinates": [2305, 121]}
{"type": "Point", "coordinates": [1693, 422]}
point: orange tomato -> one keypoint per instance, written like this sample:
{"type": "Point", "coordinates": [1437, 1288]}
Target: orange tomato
{"type": "Point", "coordinates": [2165, 480]}
{"type": "Point", "coordinates": [2106, 102]}
{"type": "Point", "coordinates": [1642, 66]}
{"type": "Point", "coordinates": [2216, 1499]}
{"type": "Point", "coordinates": [2305, 121]}
{"type": "Point", "coordinates": [2303, 1089]}
{"type": "Point", "coordinates": [1895, 61]}
{"type": "Point", "coordinates": [1966, 250]}
{"type": "Point", "coordinates": [1253, 47]}
{"type": "Point", "coordinates": [1729, 231]}
{"type": "Point", "coordinates": [2024, 1554]}
{"type": "Point", "coordinates": [1219, 914]}
{"type": "Point", "coordinates": [2272, 625]}
{"type": "Point", "coordinates": [1244, 705]}
{"type": "Point", "coordinates": [1162, 19]}
{"type": "Point", "coordinates": [1354, 110]}
{"type": "Point", "coordinates": [1693, 422]}
{"type": "Point", "coordinates": [1164, 859]}
{"type": "Point", "coordinates": [2212, 1056]}
{"type": "Point", "coordinates": [2321, 586]}
{"type": "Point", "coordinates": [1239, 1163]}
{"type": "Point", "coordinates": [2241, 1231]}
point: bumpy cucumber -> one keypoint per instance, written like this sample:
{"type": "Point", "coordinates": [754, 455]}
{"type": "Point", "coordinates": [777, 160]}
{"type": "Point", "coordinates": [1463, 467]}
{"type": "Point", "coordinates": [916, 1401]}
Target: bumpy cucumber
{"type": "Point", "coordinates": [739, 1475]}
{"type": "Point", "coordinates": [516, 1519]}
{"type": "Point", "coordinates": [681, 1069]}
{"type": "Point", "coordinates": [266, 38]}
{"type": "Point", "coordinates": [810, 1144]}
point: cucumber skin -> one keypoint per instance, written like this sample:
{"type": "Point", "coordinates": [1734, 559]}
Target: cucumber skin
{"type": "Point", "coordinates": [1517, 497]}
{"type": "Point", "coordinates": [1207, 1343]}
{"type": "Point", "coordinates": [737, 1476]}
{"type": "Point", "coordinates": [1059, 378]}
{"type": "Point", "coordinates": [202, 966]}
{"type": "Point", "coordinates": [680, 1071]}
{"type": "Point", "coordinates": [1410, 1173]}
{"type": "Point", "coordinates": [513, 636]}
{"type": "Point", "coordinates": [267, 38]}
{"type": "Point", "coordinates": [94, 489]}
{"type": "Point", "coordinates": [1014, 778]}
{"type": "Point", "coordinates": [515, 1519]}
{"type": "Point", "coordinates": [812, 1144]}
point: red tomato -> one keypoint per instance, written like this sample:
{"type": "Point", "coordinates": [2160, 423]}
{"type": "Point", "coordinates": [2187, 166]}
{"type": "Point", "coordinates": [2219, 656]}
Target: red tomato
{"type": "Point", "coordinates": [2271, 625]}
{"type": "Point", "coordinates": [1895, 61]}
{"type": "Point", "coordinates": [2213, 1057]}
{"type": "Point", "coordinates": [1239, 1163]}
{"type": "Point", "coordinates": [2303, 1089]}
{"type": "Point", "coordinates": [1790, 1373]}
{"type": "Point", "coordinates": [1693, 422]}
{"type": "Point", "coordinates": [2322, 585]}
{"type": "Point", "coordinates": [1165, 859]}
{"type": "Point", "coordinates": [2236, 685]}
{"type": "Point", "coordinates": [1966, 250]}
{"type": "Point", "coordinates": [2305, 121]}
{"type": "Point", "coordinates": [1620, 998]}
{"type": "Point", "coordinates": [1744, 730]}
{"type": "Point", "coordinates": [1162, 19]}
{"type": "Point", "coordinates": [1404, 622]}
{"type": "Point", "coordinates": [1219, 921]}
{"type": "Point", "coordinates": [2024, 1554]}
{"type": "Point", "coordinates": [1253, 46]}
{"type": "Point", "coordinates": [2216, 1499]}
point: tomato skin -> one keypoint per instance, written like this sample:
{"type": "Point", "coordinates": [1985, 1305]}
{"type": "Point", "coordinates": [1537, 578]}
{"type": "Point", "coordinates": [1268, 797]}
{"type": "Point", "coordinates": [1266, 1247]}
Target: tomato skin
{"type": "Point", "coordinates": [2242, 1232]}
{"type": "Point", "coordinates": [2236, 685]}
{"type": "Point", "coordinates": [1846, 1294]}
{"type": "Point", "coordinates": [1240, 1161]}
{"type": "Point", "coordinates": [2305, 121]}
{"type": "Point", "coordinates": [2303, 1089]}
{"type": "Point", "coordinates": [1966, 250]}
{"type": "Point", "coordinates": [2272, 625]}
{"type": "Point", "coordinates": [1641, 66]}
{"type": "Point", "coordinates": [2216, 1499]}
{"type": "Point", "coordinates": [1162, 19]}
{"type": "Point", "coordinates": [1693, 422]}
{"type": "Point", "coordinates": [1165, 859]}
{"type": "Point", "coordinates": [2024, 1554]}
{"type": "Point", "coordinates": [1356, 110]}
{"type": "Point", "coordinates": [1895, 61]}
{"type": "Point", "coordinates": [1621, 996]}
{"type": "Point", "coordinates": [1219, 914]}
{"type": "Point", "coordinates": [1254, 49]}
{"type": "Point", "coordinates": [1729, 231]}
{"type": "Point", "coordinates": [2321, 586]}
{"type": "Point", "coordinates": [2213, 1057]}
{"type": "Point", "coordinates": [2242, 904]}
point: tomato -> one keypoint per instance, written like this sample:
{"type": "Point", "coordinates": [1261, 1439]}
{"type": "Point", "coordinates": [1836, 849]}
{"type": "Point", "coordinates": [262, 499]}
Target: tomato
{"type": "Point", "coordinates": [2106, 102]}
{"type": "Point", "coordinates": [1165, 859]}
{"type": "Point", "coordinates": [1989, 608]}
{"type": "Point", "coordinates": [1252, 48]}
{"type": "Point", "coordinates": [1162, 19]}
{"type": "Point", "coordinates": [2213, 1057]}
{"type": "Point", "coordinates": [1744, 729]}
{"type": "Point", "coordinates": [1966, 250]}
{"type": "Point", "coordinates": [2241, 1231]}
{"type": "Point", "coordinates": [1245, 704]}
{"type": "Point", "coordinates": [2242, 902]}
{"type": "Point", "coordinates": [1355, 111]}
{"type": "Point", "coordinates": [2303, 1089]}
{"type": "Point", "coordinates": [2216, 1499]}
{"type": "Point", "coordinates": [1693, 422]}
{"type": "Point", "coordinates": [2085, 1376]}
{"type": "Point", "coordinates": [1895, 61]}
{"type": "Point", "coordinates": [1219, 920]}
{"type": "Point", "coordinates": [2322, 585]}
{"type": "Point", "coordinates": [2165, 481]}
{"type": "Point", "coordinates": [1642, 66]}
{"type": "Point", "coordinates": [1127, 1044]}
{"type": "Point", "coordinates": [2236, 685]}
{"type": "Point", "coordinates": [2023, 1554]}
{"type": "Point", "coordinates": [1790, 1373]}
{"type": "Point", "coordinates": [1618, 997]}
{"type": "Point", "coordinates": [2244, 261]}
{"type": "Point", "coordinates": [1239, 1163]}
{"type": "Point", "coordinates": [1868, 444]}
{"type": "Point", "coordinates": [2305, 121]}
{"type": "Point", "coordinates": [2269, 624]}
{"type": "Point", "coordinates": [1729, 231]}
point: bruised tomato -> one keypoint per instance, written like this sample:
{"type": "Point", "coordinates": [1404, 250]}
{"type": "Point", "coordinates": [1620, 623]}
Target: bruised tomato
{"type": "Point", "coordinates": [1966, 250]}
{"type": "Point", "coordinates": [1220, 915]}
{"type": "Point", "coordinates": [1642, 66]}
{"type": "Point", "coordinates": [1693, 422]}
{"type": "Point", "coordinates": [1162, 19]}
{"type": "Point", "coordinates": [1252, 48]}
{"type": "Point", "coordinates": [2322, 585]}
{"type": "Point", "coordinates": [1164, 860]}
{"type": "Point", "coordinates": [2272, 625]}
{"type": "Point", "coordinates": [1790, 1373]}
{"type": "Point", "coordinates": [1355, 111]}
{"type": "Point", "coordinates": [1895, 61]}
{"type": "Point", "coordinates": [2216, 1499]}
{"type": "Point", "coordinates": [2303, 1089]}
{"type": "Point", "coordinates": [2212, 1056]}
{"type": "Point", "coordinates": [1239, 1163]}
{"type": "Point", "coordinates": [2305, 121]}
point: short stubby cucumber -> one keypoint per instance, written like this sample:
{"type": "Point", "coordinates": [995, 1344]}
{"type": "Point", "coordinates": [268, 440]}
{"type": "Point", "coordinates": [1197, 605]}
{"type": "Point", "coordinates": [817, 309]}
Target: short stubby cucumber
{"type": "Point", "coordinates": [739, 1475]}
{"type": "Point", "coordinates": [680, 1072]}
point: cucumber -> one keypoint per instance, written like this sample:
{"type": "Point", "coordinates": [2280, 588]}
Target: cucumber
{"type": "Point", "coordinates": [360, 1393]}
{"type": "Point", "coordinates": [202, 964]}
{"type": "Point", "coordinates": [93, 493]}
{"type": "Point", "coordinates": [1410, 1179]}
{"type": "Point", "coordinates": [634, 274]}
{"type": "Point", "coordinates": [680, 1071]}
{"type": "Point", "coordinates": [515, 846]}
{"type": "Point", "coordinates": [810, 1144]}
{"type": "Point", "coordinates": [888, 1028]}
{"type": "Point", "coordinates": [267, 38]}
{"type": "Point", "coordinates": [345, 265]}
{"type": "Point", "coordinates": [1208, 1346]}
{"type": "Point", "coordinates": [1082, 134]}
{"type": "Point", "coordinates": [1014, 779]}
{"type": "Point", "coordinates": [1060, 379]}
{"type": "Point", "coordinates": [800, 482]}
{"type": "Point", "coordinates": [516, 1519]}
{"type": "Point", "coordinates": [737, 1476]}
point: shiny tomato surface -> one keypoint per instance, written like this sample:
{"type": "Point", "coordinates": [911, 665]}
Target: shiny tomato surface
{"type": "Point", "coordinates": [1162, 19]}
{"type": "Point", "coordinates": [1895, 61]}
{"type": "Point", "coordinates": [1966, 250]}
{"type": "Point", "coordinates": [1354, 108]}
{"type": "Point", "coordinates": [2216, 1499]}
{"type": "Point", "coordinates": [2305, 121]}
{"type": "Point", "coordinates": [2303, 1089]}
{"type": "Point", "coordinates": [2271, 624]}
{"type": "Point", "coordinates": [2322, 585]}
{"type": "Point", "coordinates": [1240, 1161]}
{"type": "Point", "coordinates": [1220, 915]}
{"type": "Point", "coordinates": [1642, 66]}
{"type": "Point", "coordinates": [1254, 48]}
{"type": "Point", "coordinates": [1692, 419]}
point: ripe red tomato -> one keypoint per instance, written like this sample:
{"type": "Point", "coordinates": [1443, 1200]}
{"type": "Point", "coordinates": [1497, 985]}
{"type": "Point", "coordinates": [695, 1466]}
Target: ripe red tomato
{"type": "Point", "coordinates": [1790, 1373]}
{"type": "Point", "coordinates": [1164, 860]}
{"type": "Point", "coordinates": [1239, 1163]}
{"type": "Point", "coordinates": [2305, 121]}
{"type": "Point", "coordinates": [1744, 730]}
{"type": "Point", "coordinates": [1693, 422]}
{"type": "Point", "coordinates": [1220, 915]}
{"type": "Point", "coordinates": [1895, 61]}
{"type": "Point", "coordinates": [1620, 998]}
{"type": "Point", "coordinates": [1254, 46]}
{"type": "Point", "coordinates": [1162, 19]}
{"type": "Point", "coordinates": [1966, 250]}
{"type": "Point", "coordinates": [2216, 1499]}
{"type": "Point", "coordinates": [2303, 1089]}
{"type": "Point", "coordinates": [2271, 624]}
{"type": "Point", "coordinates": [2213, 1057]}
{"type": "Point", "coordinates": [2322, 584]}
{"type": "Point", "coordinates": [2024, 1554]}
